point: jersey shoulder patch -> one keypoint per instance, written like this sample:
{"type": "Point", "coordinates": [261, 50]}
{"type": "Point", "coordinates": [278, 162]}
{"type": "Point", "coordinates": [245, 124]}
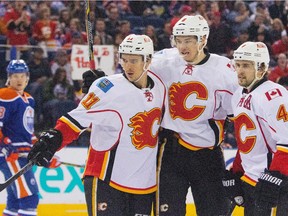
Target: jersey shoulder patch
{"type": "Point", "coordinates": [273, 93]}
{"type": "Point", "coordinates": [8, 94]}
{"type": "Point", "coordinates": [105, 84]}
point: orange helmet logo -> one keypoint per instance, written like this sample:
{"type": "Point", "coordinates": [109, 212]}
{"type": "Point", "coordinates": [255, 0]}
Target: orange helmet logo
{"type": "Point", "coordinates": [145, 128]}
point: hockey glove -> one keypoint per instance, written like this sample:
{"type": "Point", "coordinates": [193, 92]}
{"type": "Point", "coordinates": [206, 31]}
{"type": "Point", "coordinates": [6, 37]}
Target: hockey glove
{"type": "Point", "coordinates": [8, 150]}
{"type": "Point", "coordinates": [89, 77]}
{"type": "Point", "coordinates": [46, 146]}
{"type": "Point", "coordinates": [233, 187]}
{"type": "Point", "coordinates": [268, 189]}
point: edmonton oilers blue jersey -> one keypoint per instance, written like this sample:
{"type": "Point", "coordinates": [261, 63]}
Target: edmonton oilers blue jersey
{"type": "Point", "coordinates": [17, 118]}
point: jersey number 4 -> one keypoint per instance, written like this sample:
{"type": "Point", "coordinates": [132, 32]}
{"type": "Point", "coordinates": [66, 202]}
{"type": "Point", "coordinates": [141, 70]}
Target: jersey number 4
{"type": "Point", "coordinates": [282, 113]}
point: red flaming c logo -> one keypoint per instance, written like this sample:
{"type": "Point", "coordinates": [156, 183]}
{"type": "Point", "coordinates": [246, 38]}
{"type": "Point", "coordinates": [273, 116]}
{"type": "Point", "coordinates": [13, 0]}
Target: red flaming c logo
{"type": "Point", "coordinates": [178, 95]}
{"type": "Point", "coordinates": [143, 124]}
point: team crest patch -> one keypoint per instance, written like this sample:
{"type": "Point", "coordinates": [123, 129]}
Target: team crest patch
{"type": "Point", "coordinates": [105, 85]}
{"type": "Point", "coordinates": [274, 93]}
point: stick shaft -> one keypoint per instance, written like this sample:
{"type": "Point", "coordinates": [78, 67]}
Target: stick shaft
{"type": "Point", "coordinates": [24, 169]}
{"type": "Point", "coordinates": [72, 164]}
{"type": "Point", "coordinates": [89, 33]}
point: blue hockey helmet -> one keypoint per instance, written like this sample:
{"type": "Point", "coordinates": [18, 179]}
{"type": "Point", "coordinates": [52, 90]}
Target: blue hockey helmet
{"type": "Point", "coordinates": [17, 66]}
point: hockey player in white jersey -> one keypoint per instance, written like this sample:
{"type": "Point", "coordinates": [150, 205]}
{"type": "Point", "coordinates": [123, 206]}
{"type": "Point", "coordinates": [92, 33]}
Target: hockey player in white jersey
{"type": "Point", "coordinates": [124, 113]}
{"type": "Point", "coordinates": [200, 86]}
{"type": "Point", "coordinates": [261, 127]}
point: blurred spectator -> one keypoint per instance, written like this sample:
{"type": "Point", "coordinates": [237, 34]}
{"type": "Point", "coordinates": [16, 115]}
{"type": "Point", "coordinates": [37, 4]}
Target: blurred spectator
{"type": "Point", "coordinates": [160, 8]}
{"type": "Point", "coordinates": [262, 10]}
{"type": "Point", "coordinates": [164, 38]}
{"type": "Point", "coordinates": [123, 6]}
{"type": "Point", "coordinates": [62, 60]}
{"type": "Point", "coordinates": [239, 18]}
{"type": "Point", "coordinates": [58, 97]}
{"type": "Point", "coordinates": [284, 81]}
{"type": "Point", "coordinates": [3, 28]}
{"type": "Point", "coordinates": [44, 32]}
{"type": "Point", "coordinates": [97, 40]}
{"type": "Point", "coordinates": [243, 37]}
{"type": "Point", "coordinates": [276, 29]}
{"type": "Point", "coordinates": [201, 10]}
{"type": "Point", "coordinates": [124, 28]}
{"type": "Point", "coordinates": [56, 7]}
{"type": "Point", "coordinates": [76, 38]}
{"type": "Point", "coordinates": [17, 21]}
{"type": "Point", "coordinates": [100, 30]}
{"type": "Point", "coordinates": [39, 67]}
{"type": "Point", "coordinates": [64, 20]}
{"type": "Point", "coordinates": [257, 26]}
{"type": "Point", "coordinates": [40, 71]}
{"type": "Point", "coordinates": [76, 10]}
{"type": "Point", "coordinates": [75, 27]}
{"type": "Point", "coordinates": [278, 10]}
{"type": "Point", "coordinates": [280, 70]}
{"type": "Point", "coordinates": [214, 8]}
{"type": "Point", "coordinates": [138, 7]}
{"type": "Point", "coordinates": [220, 37]}
{"type": "Point", "coordinates": [118, 40]}
{"type": "Point", "coordinates": [150, 31]}
{"type": "Point", "coordinates": [229, 141]}
{"type": "Point", "coordinates": [184, 10]}
{"type": "Point", "coordinates": [112, 21]}
{"type": "Point", "coordinates": [280, 46]}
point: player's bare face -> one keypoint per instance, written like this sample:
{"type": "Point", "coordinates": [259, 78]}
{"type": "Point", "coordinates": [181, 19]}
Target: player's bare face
{"type": "Point", "coordinates": [132, 66]}
{"type": "Point", "coordinates": [187, 47]}
{"type": "Point", "coordinates": [18, 81]}
{"type": "Point", "coordinates": [245, 71]}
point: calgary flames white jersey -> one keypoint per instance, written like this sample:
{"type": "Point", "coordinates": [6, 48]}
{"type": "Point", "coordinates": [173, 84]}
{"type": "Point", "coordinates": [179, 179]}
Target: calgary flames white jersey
{"type": "Point", "coordinates": [124, 123]}
{"type": "Point", "coordinates": [261, 126]}
{"type": "Point", "coordinates": [199, 96]}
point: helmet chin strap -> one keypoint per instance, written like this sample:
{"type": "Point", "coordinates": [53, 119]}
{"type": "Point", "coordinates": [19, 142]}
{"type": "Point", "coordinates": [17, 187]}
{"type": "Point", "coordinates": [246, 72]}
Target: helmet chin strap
{"type": "Point", "coordinates": [143, 72]}
{"type": "Point", "coordinates": [197, 55]}
{"type": "Point", "coordinates": [254, 81]}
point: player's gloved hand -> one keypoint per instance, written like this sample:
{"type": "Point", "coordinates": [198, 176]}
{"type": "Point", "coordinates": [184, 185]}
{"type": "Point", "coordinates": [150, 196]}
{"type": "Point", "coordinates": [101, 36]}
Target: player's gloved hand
{"type": "Point", "coordinates": [233, 187]}
{"type": "Point", "coordinates": [8, 150]}
{"type": "Point", "coordinates": [46, 146]}
{"type": "Point", "coordinates": [268, 189]}
{"type": "Point", "coordinates": [89, 77]}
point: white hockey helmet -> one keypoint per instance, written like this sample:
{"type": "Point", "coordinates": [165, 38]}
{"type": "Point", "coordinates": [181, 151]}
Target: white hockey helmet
{"type": "Point", "coordinates": [256, 52]}
{"type": "Point", "coordinates": [137, 45]}
{"type": "Point", "coordinates": [192, 26]}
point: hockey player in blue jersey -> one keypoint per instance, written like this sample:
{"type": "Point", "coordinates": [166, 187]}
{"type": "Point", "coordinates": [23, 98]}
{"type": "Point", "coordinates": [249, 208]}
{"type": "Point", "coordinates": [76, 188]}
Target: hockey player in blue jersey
{"type": "Point", "coordinates": [17, 128]}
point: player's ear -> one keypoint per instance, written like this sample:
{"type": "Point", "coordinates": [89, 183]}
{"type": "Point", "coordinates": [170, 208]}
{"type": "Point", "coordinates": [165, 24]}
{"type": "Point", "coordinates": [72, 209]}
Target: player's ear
{"type": "Point", "coordinates": [262, 69]}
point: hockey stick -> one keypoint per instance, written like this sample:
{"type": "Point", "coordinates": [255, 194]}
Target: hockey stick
{"type": "Point", "coordinates": [90, 38]}
{"type": "Point", "coordinates": [24, 169]}
{"type": "Point", "coordinates": [72, 164]}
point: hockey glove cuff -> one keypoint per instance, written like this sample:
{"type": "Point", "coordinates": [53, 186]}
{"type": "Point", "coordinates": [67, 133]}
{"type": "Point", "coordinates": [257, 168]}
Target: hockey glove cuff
{"type": "Point", "coordinates": [233, 187]}
{"type": "Point", "coordinates": [268, 189]}
{"type": "Point", "coordinates": [44, 149]}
